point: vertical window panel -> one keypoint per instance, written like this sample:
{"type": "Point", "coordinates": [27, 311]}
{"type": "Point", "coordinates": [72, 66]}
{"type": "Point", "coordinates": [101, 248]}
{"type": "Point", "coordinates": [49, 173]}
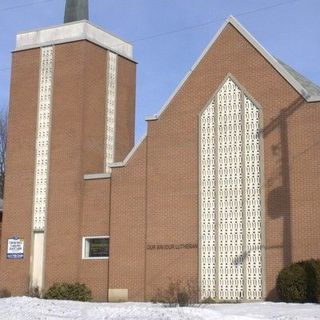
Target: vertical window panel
{"type": "Point", "coordinates": [111, 93]}
{"type": "Point", "coordinates": [230, 197]}
{"type": "Point", "coordinates": [43, 138]}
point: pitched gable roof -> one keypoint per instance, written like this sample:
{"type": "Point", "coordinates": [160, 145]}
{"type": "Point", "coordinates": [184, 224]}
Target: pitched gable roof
{"type": "Point", "coordinates": [303, 86]}
{"type": "Point", "coordinates": [307, 89]}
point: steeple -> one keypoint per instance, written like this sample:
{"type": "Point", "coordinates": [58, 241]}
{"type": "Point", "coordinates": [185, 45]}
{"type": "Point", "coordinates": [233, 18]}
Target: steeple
{"type": "Point", "coordinates": [76, 10]}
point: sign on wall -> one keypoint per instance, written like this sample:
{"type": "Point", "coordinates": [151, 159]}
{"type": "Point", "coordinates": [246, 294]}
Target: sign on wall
{"type": "Point", "coordinates": [15, 248]}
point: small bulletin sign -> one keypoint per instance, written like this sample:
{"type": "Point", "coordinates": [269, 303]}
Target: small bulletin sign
{"type": "Point", "coordinates": [15, 248]}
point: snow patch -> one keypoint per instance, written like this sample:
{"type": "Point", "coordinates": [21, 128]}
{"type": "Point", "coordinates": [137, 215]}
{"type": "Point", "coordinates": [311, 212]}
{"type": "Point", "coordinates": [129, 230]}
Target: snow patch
{"type": "Point", "coordinates": [24, 308]}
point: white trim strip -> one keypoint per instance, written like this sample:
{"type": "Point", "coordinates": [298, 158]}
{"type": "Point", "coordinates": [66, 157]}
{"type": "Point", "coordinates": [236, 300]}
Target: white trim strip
{"type": "Point", "coordinates": [128, 157]}
{"type": "Point", "coordinates": [41, 180]}
{"type": "Point", "coordinates": [41, 177]}
{"type": "Point", "coordinates": [96, 176]}
{"type": "Point", "coordinates": [314, 99]}
{"type": "Point", "coordinates": [273, 61]}
{"type": "Point", "coordinates": [151, 118]}
{"type": "Point", "coordinates": [111, 107]}
{"type": "Point", "coordinates": [70, 32]}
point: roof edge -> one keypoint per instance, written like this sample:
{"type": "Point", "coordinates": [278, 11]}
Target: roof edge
{"type": "Point", "coordinates": [71, 23]}
{"type": "Point", "coordinates": [314, 99]}
{"type": "Point", "coordinates": [96, 176]}
{"type": "Point", "coordinates": [272, 60]}
{"type": "Point", "coordinates": [123, 163]}
{"type": "Point", "coordinates": [151, 118]}
{"type": "Point", "coordinates": [243, 31]}
{"type": "Point", "coordinates": [71, 32]}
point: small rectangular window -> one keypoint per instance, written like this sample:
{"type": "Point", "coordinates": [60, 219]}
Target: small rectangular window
{"type": "Point", "coordinates": [95, 247]}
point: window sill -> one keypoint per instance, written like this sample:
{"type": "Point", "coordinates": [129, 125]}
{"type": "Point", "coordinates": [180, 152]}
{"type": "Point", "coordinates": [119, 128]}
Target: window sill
{"type": "Point", "coordinates": [96, 258]}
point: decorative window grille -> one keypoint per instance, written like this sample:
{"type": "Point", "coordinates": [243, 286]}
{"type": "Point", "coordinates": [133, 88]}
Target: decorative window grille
{"type": "Point", "coordinates": [230, 197]}
{"type": "Point", "coordinates": [110, 109]}
{"type": "Point", "coordinates": [43, 139]}
{"type": "Point", "coordinates": [253, 200]}
{"type": "Point", "coordinates": [208, 182]}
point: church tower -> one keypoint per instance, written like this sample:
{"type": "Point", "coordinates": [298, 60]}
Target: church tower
{"type": "Point", "coordinates": [72, 112]}
{"type": "Point", "coordinates": [212, 196]}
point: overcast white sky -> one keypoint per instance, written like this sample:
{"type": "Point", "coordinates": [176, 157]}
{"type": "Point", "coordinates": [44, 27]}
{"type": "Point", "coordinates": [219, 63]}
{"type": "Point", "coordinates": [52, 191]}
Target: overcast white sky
{"type": "Point", "coordinates": [288, 29]}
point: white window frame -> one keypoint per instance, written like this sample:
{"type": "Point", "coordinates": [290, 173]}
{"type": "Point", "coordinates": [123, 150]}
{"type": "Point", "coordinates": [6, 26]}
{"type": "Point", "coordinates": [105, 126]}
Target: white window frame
{"type": "Point", "coordinates": [84, 239]}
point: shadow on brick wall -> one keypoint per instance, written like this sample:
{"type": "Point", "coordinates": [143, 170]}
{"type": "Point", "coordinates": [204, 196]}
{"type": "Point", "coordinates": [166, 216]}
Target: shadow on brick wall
{"type": "Point", "coordinates": [279, 198]}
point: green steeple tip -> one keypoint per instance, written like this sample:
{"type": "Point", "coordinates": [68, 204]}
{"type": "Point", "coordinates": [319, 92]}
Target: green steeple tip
{"type": "Point", "coordinates": [76, 10]}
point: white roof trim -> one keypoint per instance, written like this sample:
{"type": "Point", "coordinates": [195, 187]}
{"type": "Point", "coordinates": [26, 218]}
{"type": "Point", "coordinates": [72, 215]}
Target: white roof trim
{"type": "Point", "coordinates": [75, 22]}
{"type": "Point", "coordinates": [151, 118]}
{"type": "Point", "coordinates": [116, 165]}
{"type": "Point", "coordinates": [95, 176]}
{"type": "Point", "coordinates": [129, 156]}
{"type": "Point", "coordinates": [164, 107]}
{"type": "Point", "coordinates": [273, 61]}
{"type": "Point", "coordinates": [235, 23]}
{"type": "Point", "coordinates": [314, 99]}
{"type": "Point", "coordinates": [70, 32]}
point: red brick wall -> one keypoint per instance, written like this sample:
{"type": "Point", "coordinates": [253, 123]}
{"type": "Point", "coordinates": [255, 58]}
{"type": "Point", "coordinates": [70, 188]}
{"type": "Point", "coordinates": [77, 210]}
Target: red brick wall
{"type": "Point", "coordinates": [127, 226]}
{"type": "Point", "coordinates": [77, 148]}
{"type": "Point", "coordinates": [93, 100]}
{"type": "Point", "coordinates": [14, 274]}
{"type": "Point", "coordinates": [290, 130]}
{"type": "Point", "coordinates": [172, 200]}
{"type": "Point", "coordinates": [0, 229]}
{"type": "Point", "coordinates": [154, 198]}
{"type": "Point", "coordinates": [95, 222]}
{"type": "Point", "coordinates": [125, 112]}
{"type": "Point", "coordinates": [304, 144]}
{"type": "Point", "coordinates": [63, 241]}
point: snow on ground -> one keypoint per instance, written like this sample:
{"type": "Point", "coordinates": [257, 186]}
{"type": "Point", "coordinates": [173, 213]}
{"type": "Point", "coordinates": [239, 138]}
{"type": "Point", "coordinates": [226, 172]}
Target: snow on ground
{"type": "Point", "coordinates": [23, 308]}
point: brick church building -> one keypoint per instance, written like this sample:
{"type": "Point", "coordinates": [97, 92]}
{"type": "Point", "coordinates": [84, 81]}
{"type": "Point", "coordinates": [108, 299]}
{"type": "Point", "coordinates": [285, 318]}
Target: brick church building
{"type": "Point", "coordinates": [223, 189]}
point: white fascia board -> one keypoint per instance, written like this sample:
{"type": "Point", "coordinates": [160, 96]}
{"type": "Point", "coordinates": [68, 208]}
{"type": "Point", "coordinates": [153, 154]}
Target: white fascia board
{"type": "Point", "coordinates": [314, 99]}
{"type": "Point", "coordinates": [294, 83]}
{"type": "Point", "coordinates": [236, 24]}
{"type": "Point", "coordinates": [96, 176]}
{"type": "Point", "coordinates": [164, 107]}
{"type": "Point", "coordinates": [70, 32]}
{"type": "Point", "coordinates": [116, 165]}
{"type": "Point", "coordinates": [129, 156]}
{"type": "Point", "coordinates": [151, 118]}
{"type": "Point", "coordinates": [180, 85]}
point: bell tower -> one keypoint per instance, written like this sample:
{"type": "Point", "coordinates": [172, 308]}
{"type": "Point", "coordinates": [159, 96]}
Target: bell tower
{"type": "Point", "coordinates": [71, 114]}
